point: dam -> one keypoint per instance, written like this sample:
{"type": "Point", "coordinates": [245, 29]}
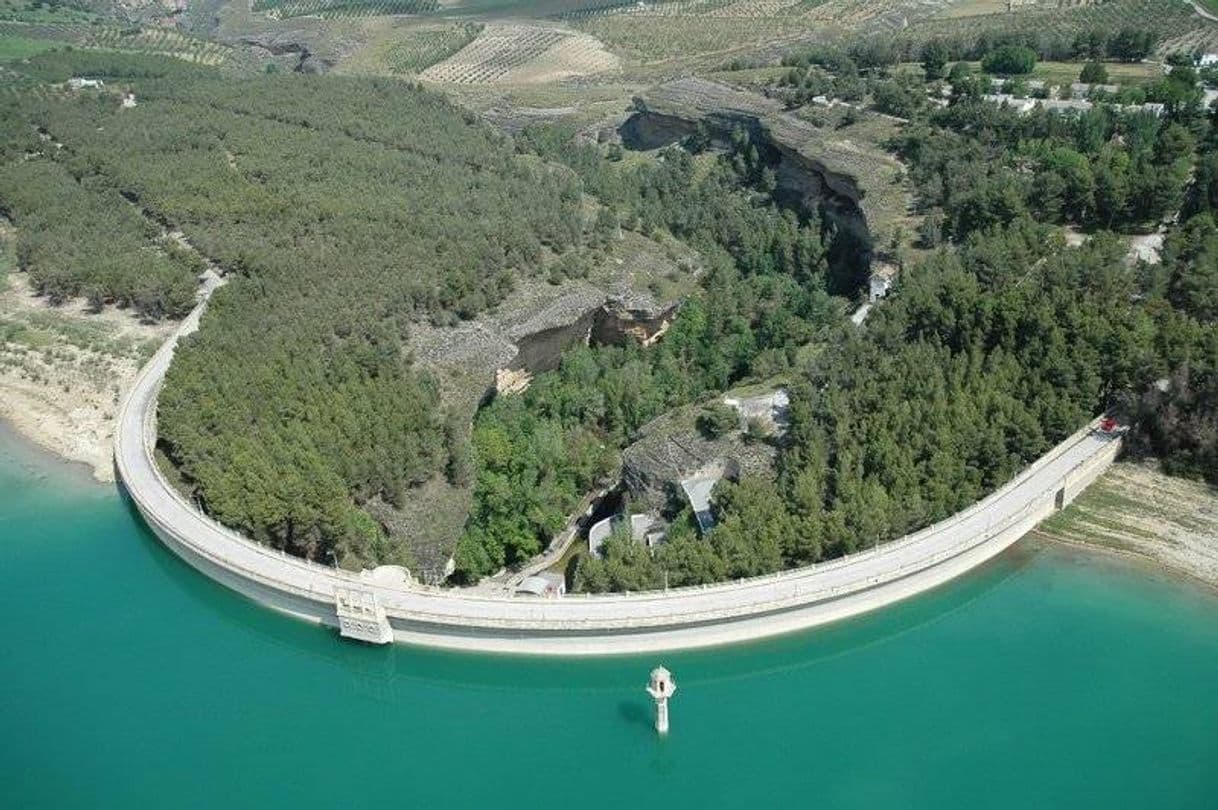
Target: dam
{"type": "Point", "coordinates": [382, 606]}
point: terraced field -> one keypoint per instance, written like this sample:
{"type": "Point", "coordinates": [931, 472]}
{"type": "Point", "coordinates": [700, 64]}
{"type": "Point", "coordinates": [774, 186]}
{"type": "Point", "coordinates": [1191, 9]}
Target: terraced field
{"type": "Point", "coordinates": [414, 51]}
{"type": "Point", "coordinates": [514, 53]}
{"type": "Point", "coordinates": [690, 28]}
{"type": "Point", "coordinates": [343, 8]}
{"type": "Point", "coordinates": [158, 41]}
{"type": "Point", "coordinates": [1176, 22]}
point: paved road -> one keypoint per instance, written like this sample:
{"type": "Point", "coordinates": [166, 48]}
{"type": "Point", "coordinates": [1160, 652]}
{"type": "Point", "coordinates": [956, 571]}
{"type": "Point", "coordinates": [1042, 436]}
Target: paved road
{"type": "Point", "coordinates": [616, 622]}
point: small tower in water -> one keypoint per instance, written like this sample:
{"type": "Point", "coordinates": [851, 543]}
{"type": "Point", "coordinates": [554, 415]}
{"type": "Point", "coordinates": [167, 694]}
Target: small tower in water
{"type": "Point", "coordinates": [661, 688]}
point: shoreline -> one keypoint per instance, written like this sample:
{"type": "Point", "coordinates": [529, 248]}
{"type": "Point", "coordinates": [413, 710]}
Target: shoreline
{"type": "Point", "coordinates": [1138, 512]}
{"type": "Point", "coordinates": [43, 462]}
{"type": "Point", "coordinates": [382, 606]}
{"type": "Point", "coordinates": [1130, 557]}
{"type": "Point", "coordinates": [65, 371]}
{"type": "Point", "coordinates": [86, 458]}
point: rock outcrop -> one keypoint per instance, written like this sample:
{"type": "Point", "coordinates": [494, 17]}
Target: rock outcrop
{"type": "Point", "coordinates": [853, 185]}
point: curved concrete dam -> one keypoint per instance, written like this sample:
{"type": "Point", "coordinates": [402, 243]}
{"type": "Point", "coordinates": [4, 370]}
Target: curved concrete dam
{"type": "Point", "coordinates": [378, 609]}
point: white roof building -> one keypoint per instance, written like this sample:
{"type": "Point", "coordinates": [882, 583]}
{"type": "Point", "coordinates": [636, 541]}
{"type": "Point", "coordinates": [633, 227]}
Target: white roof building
{"type": "Point", "coordinates": [1083, 89]}
{"type": "Point", "coordinates": [882, 277]}
{"type": "Point", "coordinates": [698, 490]}
{"type": "Point", "coordinates": [548, 584]}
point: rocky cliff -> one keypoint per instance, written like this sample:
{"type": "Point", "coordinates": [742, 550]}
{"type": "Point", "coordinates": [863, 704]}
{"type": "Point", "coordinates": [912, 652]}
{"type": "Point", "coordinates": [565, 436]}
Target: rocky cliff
{"type": "Point", "coordinates": [854, 185]}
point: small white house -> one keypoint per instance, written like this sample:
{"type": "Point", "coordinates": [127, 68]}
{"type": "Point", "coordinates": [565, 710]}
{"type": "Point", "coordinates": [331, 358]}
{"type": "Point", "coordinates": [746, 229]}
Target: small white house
{"type": "Point", "coordinates": [128, 101]}
{"type": "Point", "coordinates": [598, 533]}
{"type": "Point", "coordinates": [881, 280]}
{"type": "Point", "coordinates": [80, 83]}
{"type": "Point", "coordinates": [1084, 90]}
{"type": "Point", "coordinates": [548, 583]}
{"type": "Point", "coordinates": [1208, 60]}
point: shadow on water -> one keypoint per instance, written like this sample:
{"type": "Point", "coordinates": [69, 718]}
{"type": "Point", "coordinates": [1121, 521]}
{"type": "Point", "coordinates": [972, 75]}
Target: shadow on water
{"type": "Point", "coordinates": [380, 672]}
{"type": "Point", "coordinates": [635, 713]}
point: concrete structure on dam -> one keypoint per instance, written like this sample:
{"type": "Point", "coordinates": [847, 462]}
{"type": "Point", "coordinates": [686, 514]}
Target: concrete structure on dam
{"type": "Point", "coordinates": [383, 606]}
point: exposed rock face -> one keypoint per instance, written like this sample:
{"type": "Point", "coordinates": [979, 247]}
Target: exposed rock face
{"type": "Point", "coordinates": [670, 449]}
{"type": "Point", "coordinates": [312, 65]}
{"type": "Point", "coordinates": [542, 350]}
{"type": "Point", "coordinates": [632, 296]}
{"type": "Point", "coordinates": [617, 323]}
{"type": "Point", "coordinates": [813, 171]}
{"type": "Point", "coordinates": [284, 44]}
{"type": "Point", "coordinates": [611, 323]}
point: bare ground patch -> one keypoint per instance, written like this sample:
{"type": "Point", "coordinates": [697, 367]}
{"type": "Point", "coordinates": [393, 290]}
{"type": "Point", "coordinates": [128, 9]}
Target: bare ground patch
{"type": "Point", "coordinates": [1135, 509]}
{"type": "Point", "coordinates": [64, 370]}
{"type": "Point", "coordinates": [523, 54]}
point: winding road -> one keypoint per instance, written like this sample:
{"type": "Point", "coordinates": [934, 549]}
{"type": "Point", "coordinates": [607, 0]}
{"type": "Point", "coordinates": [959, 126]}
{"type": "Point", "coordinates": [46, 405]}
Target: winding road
{"type": "Point", "coordinates": [380, 607]}
{"type": "Point", "coordinates": [1200, 9]}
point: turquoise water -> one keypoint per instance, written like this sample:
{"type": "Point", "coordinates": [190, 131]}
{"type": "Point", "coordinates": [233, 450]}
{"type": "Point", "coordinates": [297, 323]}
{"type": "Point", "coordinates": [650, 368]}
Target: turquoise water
{"type": "Point", "coordinates": [1048, 679]}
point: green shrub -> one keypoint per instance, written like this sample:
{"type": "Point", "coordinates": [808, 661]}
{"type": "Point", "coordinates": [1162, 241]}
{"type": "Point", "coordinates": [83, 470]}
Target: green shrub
{"type": "Point", "coordinates": [1009, 60]}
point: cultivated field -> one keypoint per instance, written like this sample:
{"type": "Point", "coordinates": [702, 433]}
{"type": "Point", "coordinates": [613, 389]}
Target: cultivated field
{"type": "Point", "coordinates": [668, 32]}
{"type": "Point", "coordinates": [342, 8]}
{"type": "Point", "coordinates": [23, 47]}
{"type": "Point", "coordinates": [1172, 20]}
{"type": "Point", "coordinates": [411, 48]}
{"type": "Point", "coordinates": [517, 53]}
{"type": "Point", "coordinates": [157, 41]}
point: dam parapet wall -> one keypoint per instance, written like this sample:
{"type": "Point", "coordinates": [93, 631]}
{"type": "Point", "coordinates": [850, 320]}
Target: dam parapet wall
{"type": "Point", "coordinates": [603, 623]}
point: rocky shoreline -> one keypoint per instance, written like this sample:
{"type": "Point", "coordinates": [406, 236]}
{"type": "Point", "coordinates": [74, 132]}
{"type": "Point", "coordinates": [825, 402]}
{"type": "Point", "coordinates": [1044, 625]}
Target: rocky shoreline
{"type": "Point", "coordinates": [1138, 512]}
{"type": "Point", "coordinates": [64, 371]}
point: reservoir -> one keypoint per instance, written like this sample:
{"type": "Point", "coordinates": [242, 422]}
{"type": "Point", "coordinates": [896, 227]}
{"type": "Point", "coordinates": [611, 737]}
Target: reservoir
{"type": "Point", "coordinates": [1049, 677]}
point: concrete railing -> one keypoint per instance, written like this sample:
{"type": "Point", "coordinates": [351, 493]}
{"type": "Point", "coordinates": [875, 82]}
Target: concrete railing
{"type": "Point", "coordinates": [603, 623]}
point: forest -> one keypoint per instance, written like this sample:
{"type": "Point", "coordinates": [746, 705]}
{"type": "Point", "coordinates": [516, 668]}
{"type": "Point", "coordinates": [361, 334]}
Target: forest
{"type": "Point", "coordinates": [347, 211]}
{"type": "Point", "coordinates": [997, 345]}
{"type": "Point", "coordinates": [764, 294]}
{"type": "Point", "coordinates": [342, 212]}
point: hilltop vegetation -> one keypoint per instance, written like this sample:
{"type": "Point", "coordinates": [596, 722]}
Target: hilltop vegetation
{"type": "Point", "coordinates": [995, 347]}
{"type": "Point", "coordinates": [764, 296]}
{"type": "Point", "coordinates": [343, 210]}
{"type": "Point", "coordinates": [347, 212]}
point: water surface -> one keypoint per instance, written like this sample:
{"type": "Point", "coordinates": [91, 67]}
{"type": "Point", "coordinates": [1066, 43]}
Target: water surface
{"type": "Point", "coordinates": [1047, 679]}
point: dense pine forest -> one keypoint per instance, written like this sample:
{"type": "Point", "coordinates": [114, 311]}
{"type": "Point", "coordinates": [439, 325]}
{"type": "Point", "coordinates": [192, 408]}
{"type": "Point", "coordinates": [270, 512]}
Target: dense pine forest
{"type": "Point", "coordinates": [346, 212]}
{"type": "Point", "coordinates": [764, 296]}
{"type": "Point", "coordinates": [996, 346]}
{"type": "Point", "coordinates": [342, 211]}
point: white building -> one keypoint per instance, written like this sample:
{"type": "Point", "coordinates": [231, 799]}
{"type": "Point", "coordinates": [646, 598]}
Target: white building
{"type": "Point", "coordinates": [598, 533]}
{"type": "Point", "coordinates": [883, 276]}
{"type": "Point", "coordinates": [698, 490]}
{"type": "Point", "coordinates": [548, 583]}
{"type": "Point", "coordinates": [647, 529]}
{"type": "Point", "coordinates": [1083, 90]}
{"type": "Point", "coordinates": [79, 83]}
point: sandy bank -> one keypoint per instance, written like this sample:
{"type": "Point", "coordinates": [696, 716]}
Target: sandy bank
{"type": "Point", "coordinates": [1136, 510]}
{"type": "Point", "coordinates": [64, 371]}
